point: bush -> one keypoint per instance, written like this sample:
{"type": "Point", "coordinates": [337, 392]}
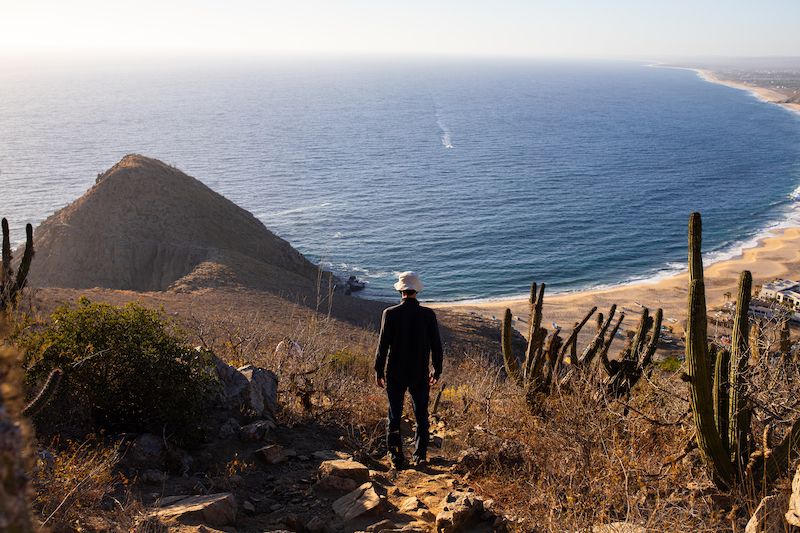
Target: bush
{"type": "Point", "coordinates": [126, 369]}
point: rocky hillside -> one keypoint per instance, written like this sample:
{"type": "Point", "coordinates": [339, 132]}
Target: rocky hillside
{"type": "Point", "coordinates": [147, 226]}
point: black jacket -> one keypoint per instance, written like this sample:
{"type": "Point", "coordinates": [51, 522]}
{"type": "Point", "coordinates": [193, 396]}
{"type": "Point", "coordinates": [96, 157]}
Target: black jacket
{"type": "Point", "coordinates": [409, 336]}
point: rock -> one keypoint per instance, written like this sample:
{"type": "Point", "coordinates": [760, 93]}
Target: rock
{"type": "Point", "coordinates": [293, 523]}
{"type": "Point", "coordinates": [345, 468]}
{"type": "Point", "coordinates": [326, 455]}
{"type": "Point", "coordinates": [770, 515]}
{"type": "Point", "coordinates": [248, 507]}
{"type": "Point", "coordinates": [380, 526]}
{"type": "Point", "coordinates": [335, 484]}
{"type": "Point", "coordinates": [148, 450]}
{"type": "Point", "coordinates": [410, 504]}
{"type": "Point", "coordinates": [619, 527]}
{"type": "Point", "coordinates": [263, 399]}
{"type": "Point", "coordinates": [793, 514]}
{"type": "Point", "coordinates": [214, 509]}
{"type": "Point", "coordinates": [230, 428]}
{"type": "Point", "coordinates": [167, 500]}
{"type": "Point", "coordinates": [179, 460]}
{"type": "Point", "coordinates": [273, 454]}
{"type": "Point", "coordinates": [458, 509]}
{"type": "Point", "coordinates": [256, 431]}
{"type": "Point", "coordinates": [315, 525]}
{"type": "Point", "coordinates": [249, 389]}
{"type": "Point", "coordinates": [362, 500]}
{"type": "Point", "coordinates": [154, 476]}
{"type": "Point", "coordinates": [468, 460]}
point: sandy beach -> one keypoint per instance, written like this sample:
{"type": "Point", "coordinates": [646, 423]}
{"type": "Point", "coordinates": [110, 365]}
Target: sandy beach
{"type": "Point", "coordinates": [762, 92]}
{"type": "Point", "coordinates": [775, 257]}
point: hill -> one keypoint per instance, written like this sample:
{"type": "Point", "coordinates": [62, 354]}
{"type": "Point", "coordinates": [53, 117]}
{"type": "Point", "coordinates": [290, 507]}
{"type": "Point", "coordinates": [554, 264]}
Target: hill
{"type": "Point", "coordinates": [146, 226]}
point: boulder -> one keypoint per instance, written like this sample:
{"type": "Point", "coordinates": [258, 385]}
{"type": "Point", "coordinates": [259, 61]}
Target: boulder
{"type": "Point", "coordinates": [769, 516]}
{"type": "Point", "coordinates": [214, 510]}
{"type": "Point", "coordinates": [458, 509]}
{"type": "Point", "coordinates": [335, 484]}
{"type": "Point", "coordinates": [248, 389]}
{"type": "Point", "coordinates": [273, 454]}
{"type": "Point", "coordinates": [315, 525]}
{"type": "Point", "coordinates": [380, 526]}
{"type": "Point", "coordinates": [362, 500]}
{"type": "Point", "coordinates": [346, 468]}
{"type": "Point", "coordinates": [410, 504]}
{"type": "Point", "coordinates": [263, 390]}
{"type": "Point", "coordinates": [793, 514]}
{"type": "Point", "coordinates": [148, 450]}
{"type": "Point", "coordinates": [230, 428]}
{"type": "Point", "coordinates": [256, 431]}
{"type": "Point", "coordinates": [468, 460]}
{"type": "Point", "coordinates": [293, 522]}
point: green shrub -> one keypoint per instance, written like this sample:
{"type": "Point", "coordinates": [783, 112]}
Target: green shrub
{"type": "Point", "coordinates": [126, 369]}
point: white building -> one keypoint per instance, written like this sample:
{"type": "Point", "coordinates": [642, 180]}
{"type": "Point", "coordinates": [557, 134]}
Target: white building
{"type": "Point", "coordinates": [776, 288]}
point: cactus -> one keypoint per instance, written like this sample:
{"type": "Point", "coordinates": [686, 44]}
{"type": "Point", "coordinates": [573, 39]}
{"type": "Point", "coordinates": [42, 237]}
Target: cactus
{"type": "Point", "coordinates": [720, 408]}
{"type": "Point", "coordinates": [542, 363]}
{"type": "Point", "coordinates": [637, 356]}
{"type": "Point", "coordinates": [786, 342]}
{"type": "Point", "coordinates": [10, 285]}
{"type": "Point", "coordinates": [49, 388]}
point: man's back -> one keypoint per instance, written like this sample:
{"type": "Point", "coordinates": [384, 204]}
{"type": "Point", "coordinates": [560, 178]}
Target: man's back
{"type": "Point", "coordinates": [409, 334]}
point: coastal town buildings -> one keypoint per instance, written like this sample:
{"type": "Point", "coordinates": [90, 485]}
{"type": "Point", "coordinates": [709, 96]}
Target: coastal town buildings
{"type": "Point", "coordinates": [784, 291]}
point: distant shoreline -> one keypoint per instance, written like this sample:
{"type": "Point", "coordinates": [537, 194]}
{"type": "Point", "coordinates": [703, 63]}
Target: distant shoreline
{"type": "Point", "coordinates": [777, 256]}
{"type": "Point", "coordinates": [762, 92]}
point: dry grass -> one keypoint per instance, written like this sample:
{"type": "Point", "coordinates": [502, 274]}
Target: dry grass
{"type": "Point", "coordinates": [583, 460]}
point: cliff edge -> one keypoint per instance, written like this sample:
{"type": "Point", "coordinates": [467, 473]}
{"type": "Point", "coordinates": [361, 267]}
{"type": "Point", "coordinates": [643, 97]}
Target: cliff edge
{"type": "Point", "coordinates": [146, 226]}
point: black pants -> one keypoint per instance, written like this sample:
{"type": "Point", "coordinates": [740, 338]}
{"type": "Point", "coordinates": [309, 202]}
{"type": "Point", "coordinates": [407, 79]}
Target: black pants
{"type": "Point", "coordinates": [419, 402]}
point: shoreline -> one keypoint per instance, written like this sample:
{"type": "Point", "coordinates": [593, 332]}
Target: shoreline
{"type": "Point", "coordinates": [776, 256]}
{"type": "Point", "coordinates": [763, 93]}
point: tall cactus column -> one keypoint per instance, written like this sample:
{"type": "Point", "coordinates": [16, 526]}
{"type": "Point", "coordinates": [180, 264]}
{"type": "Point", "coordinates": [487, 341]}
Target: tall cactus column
{"type": "Point", "coordinates": [11, 285]}
{"type": "Point", "coordinates": [697, 358]}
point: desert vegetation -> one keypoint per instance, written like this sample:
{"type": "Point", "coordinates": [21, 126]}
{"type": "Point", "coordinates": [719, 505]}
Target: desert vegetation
{"type": "Point", "coordinates": [579, 453]}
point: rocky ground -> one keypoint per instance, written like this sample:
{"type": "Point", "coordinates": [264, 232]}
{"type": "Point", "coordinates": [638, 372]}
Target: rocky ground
{"type": "Point", "coordinates": [305, 478]}
{"type": "Point", "coordinates": [233, 486]}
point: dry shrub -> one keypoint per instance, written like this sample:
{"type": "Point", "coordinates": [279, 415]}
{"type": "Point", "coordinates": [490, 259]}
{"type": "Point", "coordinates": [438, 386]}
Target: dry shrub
{"type": "Point", "coordinates": [587, 460]}
{"type": "Point", "coordinates": [332, 379]}
{"type": "Point", "coordinates": [77, 482]}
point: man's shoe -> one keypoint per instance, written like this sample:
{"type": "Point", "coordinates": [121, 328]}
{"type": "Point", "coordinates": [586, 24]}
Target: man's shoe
{"type": "Point", "coordinates": [417, 460]}
{"type": "Point", "coordinates": [397, 459]}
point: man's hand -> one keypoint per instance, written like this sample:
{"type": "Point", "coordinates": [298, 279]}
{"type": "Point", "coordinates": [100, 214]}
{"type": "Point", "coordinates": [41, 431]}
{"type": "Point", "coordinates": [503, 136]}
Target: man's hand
{"type": "Point", "coordinates": [433, 381]}
{"type": "Point", "coordinates": [381, 382]}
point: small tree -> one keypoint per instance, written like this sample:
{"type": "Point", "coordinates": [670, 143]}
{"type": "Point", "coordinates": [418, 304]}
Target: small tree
{"type": "Point", "coordinates": [125, 369]}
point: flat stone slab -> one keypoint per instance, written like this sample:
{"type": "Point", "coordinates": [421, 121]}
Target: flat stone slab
{"type": "Point", "coordinates": [273, 454]}
{"type": "Point", "coordinates": [346, 468]}
{"type": "Point", "coordinates": [335, 484]}
{"type": "Point", "coordinates": [362, 500]}
{"type": "Point", "coordinates": [214, 509]}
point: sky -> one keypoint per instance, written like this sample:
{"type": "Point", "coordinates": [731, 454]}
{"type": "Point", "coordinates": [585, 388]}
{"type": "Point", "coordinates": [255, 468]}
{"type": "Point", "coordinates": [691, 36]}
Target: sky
{"type": "Point", "coordinates": [637, 29]}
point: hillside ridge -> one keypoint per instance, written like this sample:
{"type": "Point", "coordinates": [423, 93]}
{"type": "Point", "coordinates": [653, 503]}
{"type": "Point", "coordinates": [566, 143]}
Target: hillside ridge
{"type": "Point", "coordinates": [144, 225]}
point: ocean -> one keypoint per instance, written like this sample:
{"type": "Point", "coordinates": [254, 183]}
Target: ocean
{"type": "Point", "coordinates": [481, 175]}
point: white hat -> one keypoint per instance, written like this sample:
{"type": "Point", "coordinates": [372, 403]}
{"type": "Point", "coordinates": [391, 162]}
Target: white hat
{"type": "Point", "coordinates": [409, 281]}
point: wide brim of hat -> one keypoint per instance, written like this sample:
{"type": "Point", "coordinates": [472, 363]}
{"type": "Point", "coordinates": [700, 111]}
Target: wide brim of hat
{"type": "Point", "coordinates": [405, 286]}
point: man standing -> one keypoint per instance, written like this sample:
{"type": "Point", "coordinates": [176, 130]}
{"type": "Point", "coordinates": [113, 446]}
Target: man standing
{"type": "Point", "coordinates": [409, 336]}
